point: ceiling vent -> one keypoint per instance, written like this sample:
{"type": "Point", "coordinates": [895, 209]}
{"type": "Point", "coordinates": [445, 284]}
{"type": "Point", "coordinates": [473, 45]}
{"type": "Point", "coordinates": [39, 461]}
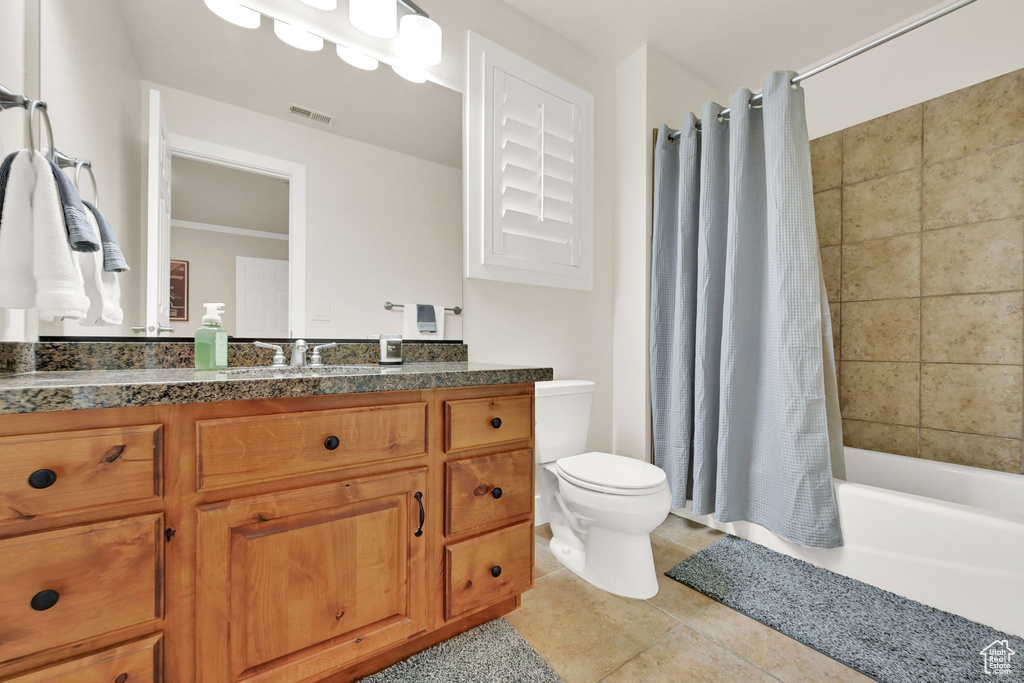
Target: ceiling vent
{"type": "Point", "coordinates": [311, 114]}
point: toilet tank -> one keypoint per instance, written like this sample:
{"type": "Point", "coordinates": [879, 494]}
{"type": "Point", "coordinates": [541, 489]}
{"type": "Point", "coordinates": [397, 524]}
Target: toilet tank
{"type": "Point", "coordinates": [563, 418]}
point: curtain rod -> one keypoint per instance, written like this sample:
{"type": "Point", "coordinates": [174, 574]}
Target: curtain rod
{"type": "Point", "coordinates": [938, 14]}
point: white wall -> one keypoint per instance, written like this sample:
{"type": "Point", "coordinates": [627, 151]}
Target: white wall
{"type": "Point", "coordinates": [89, 80]}
{"type": "Point", "coordinates": [381, 225]}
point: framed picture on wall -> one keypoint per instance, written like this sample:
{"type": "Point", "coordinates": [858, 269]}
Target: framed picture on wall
{"type": "Point", "coordinates": [179, 290]}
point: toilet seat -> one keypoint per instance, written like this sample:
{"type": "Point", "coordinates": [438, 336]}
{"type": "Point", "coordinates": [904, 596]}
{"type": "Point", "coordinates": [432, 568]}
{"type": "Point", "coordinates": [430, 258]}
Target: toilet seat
{"type": "Point", "coordinates": [613, 474]}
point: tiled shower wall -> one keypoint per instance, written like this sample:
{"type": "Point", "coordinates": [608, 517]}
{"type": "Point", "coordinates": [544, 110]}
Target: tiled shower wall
{"type": "Point", "coordinates": [921, 227]}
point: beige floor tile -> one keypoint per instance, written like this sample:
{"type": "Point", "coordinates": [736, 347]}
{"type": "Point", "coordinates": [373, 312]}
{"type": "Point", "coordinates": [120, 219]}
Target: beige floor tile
{"type": "Point", "coordinates": [780, 655]}
{"type": "Point", "coordinates": [584, 632]}
{"type": "Point", "coordinates": [685, 656]}
{"type": "Point", "coordinates": [684, 532]}
{"type": "Point", "coordinates": [543, 561]}
{"type": "Point", "coordinates": [678, 600]}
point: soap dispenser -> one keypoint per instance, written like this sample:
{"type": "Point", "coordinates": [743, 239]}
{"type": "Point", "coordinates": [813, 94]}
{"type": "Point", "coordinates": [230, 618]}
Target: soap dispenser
{"type": "Point", "coordinates": [212, 341]}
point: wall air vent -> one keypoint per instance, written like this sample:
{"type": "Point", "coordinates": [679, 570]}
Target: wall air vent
{"type": "Point", "coordinates": [311, 114]}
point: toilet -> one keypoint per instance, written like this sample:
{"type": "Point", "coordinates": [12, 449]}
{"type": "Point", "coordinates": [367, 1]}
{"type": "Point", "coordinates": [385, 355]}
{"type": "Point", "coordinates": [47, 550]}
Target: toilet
{"type": "Point", "coordinates": [602, 507]}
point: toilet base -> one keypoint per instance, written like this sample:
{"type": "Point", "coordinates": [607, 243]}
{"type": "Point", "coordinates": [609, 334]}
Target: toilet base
{"type": "Point", "coordinates": [614, 561]}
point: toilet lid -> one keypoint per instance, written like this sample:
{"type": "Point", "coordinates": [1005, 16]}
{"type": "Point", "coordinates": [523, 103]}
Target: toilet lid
{"type": "Point", "coordinates": [612, 471]}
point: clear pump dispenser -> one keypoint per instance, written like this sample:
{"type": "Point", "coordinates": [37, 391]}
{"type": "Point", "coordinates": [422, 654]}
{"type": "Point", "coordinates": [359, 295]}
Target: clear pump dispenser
{"type": "Point", "coordinates": [211, 349]}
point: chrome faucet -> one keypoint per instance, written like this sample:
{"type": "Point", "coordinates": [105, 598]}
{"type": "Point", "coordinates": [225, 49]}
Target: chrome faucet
{"type": "Point", "coordinates": [299, 353]}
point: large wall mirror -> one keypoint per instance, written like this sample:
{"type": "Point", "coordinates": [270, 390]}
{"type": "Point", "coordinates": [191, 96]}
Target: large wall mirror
{"type": "Point", "coordinates": [298, 190]}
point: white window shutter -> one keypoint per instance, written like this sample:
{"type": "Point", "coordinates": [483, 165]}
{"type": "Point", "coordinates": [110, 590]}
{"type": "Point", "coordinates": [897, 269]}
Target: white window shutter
{"type": "Point", "coordinates": [529, 172]}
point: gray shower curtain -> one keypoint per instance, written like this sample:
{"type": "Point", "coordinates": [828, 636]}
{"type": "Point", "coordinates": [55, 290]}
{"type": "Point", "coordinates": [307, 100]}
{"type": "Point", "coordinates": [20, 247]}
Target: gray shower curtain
{"type": "Point", "coordinates": [743, 381]}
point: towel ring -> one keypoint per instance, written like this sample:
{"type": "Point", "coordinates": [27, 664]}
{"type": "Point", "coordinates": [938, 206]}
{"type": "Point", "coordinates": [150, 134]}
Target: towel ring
{"type": "Point", "coordinates": [87, 165]}
{"type": "Point", "coordinates": [41, 106]}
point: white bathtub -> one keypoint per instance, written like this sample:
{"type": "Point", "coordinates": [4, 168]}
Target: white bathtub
{"type": "Point", "coordinates": [946, 535]}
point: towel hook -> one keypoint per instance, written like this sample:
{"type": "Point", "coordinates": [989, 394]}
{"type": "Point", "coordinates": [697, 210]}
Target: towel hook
{"type": "Point", "coordinates": [33, 106]}
{"type": "Point", "coordinates": [87, 165]}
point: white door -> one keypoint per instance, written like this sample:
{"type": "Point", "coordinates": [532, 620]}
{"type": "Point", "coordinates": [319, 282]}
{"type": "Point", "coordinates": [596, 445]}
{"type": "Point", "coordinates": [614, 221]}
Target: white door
{"type": "Point", "coordinates": [158, 228]}
{"type": "Point", "coordinates": [261, 297]}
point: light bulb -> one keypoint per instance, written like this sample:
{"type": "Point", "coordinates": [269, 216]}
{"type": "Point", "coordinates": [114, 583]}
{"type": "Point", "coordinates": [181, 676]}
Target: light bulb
{"type": "Point", "coordinates": [326, 5]}
{"type": "Point", "coordinates": [232, 11]}
{"type": "Point", "coordinates": [419, 40]}
{"type": "Point", "coordinates": [357, 59]}
{"type": "Point", "coordinates": [408, 74]}
{"type": "Point", "coordinates": [297, 37]}
{"type": "Point", "coordinates": [378, 18]}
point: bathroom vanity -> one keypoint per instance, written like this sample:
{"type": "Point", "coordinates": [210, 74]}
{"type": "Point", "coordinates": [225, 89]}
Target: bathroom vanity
{"type": "Point", "coordinates": [184, 526]}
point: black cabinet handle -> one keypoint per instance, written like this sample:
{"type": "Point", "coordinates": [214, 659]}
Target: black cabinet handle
{"type": "Point", "coordinates": [496, 571]}
{"type": "Point", "coordinates": [332, 442]}
{"type": "Point", "coordinates": [496, 492]}
{"type": "Point", "coordinates": [423, 513]}
{"type": "Point", "coordinates": [42, 479]}
{"type": "Point", "coordinates": [44, 600]}
{"type": "Point", "coordinates": [496, 423]}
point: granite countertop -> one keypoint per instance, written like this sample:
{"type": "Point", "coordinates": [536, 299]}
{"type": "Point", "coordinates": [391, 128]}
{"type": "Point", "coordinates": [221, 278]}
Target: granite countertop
{"type": "Point", "coordinates": [79, 390]}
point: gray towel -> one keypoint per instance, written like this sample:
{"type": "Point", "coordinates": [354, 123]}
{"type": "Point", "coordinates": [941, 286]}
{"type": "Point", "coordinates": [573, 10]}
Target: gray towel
{"type": "Point", "coordinates": [113, 259]}
{"type": "Point", "coordinates": [80, 233]}
{"type": "Point", "coordinates": [5, 173]}
{"type": "Point", "coordinates": [426, 321]}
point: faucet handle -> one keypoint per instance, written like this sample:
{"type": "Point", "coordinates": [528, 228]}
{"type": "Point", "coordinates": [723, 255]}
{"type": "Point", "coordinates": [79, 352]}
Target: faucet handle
{"type": "Point", "coordinates": [315, 361]}
{"type": "Point", "coordinates": [279, 359]}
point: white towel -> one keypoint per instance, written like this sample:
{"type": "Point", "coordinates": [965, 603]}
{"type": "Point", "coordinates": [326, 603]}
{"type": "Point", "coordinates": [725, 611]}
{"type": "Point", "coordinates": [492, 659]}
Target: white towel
{"type": "Point", "coordinates": [17, 282]}
{"type": "Point", "coordinates": [102, 288]}
{"type": "Point", "coordinates": [411, 329]}
{"type": "Point", "coordinates": [60, 292]}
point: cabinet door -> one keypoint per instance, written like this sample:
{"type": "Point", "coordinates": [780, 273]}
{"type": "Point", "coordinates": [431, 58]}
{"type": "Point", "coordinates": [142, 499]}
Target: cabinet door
{"type": "Point", "coordinates": [294, 584]}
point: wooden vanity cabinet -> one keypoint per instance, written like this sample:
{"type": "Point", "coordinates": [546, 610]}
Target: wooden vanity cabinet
{"type": "Point", "coordinates": [282, 540]}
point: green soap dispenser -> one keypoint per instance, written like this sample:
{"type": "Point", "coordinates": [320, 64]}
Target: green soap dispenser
{"type": "Point", "coordinates": [212, 341]}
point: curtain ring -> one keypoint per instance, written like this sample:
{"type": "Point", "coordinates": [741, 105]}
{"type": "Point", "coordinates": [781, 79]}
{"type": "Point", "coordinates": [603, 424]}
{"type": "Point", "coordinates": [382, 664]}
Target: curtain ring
{"type": "Point", "coordinates": [41, 106]}
{"type": "Point", "coordinates": [87, 165]}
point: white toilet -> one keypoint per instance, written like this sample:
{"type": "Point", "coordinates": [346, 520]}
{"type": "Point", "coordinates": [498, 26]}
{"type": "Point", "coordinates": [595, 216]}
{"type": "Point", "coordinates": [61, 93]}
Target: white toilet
{"type": "Point", "coordinates": [602, 507]}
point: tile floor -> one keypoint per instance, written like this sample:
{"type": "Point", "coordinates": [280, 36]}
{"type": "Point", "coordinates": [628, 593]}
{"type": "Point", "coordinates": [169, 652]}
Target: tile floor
{"type": "Point", "coordinates": [589, 635]}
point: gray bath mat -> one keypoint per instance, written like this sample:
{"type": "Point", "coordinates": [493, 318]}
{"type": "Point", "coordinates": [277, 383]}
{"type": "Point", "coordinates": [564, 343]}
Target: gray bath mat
{"type": "Point", "coordinates": [490, 653]}
{"type": "Point", "coordinates": [881, 634]}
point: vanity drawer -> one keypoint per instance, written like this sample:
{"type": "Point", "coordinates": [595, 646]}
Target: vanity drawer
{"type": "Point", "coordinates": [477, 422]}
{"type": "Point", "coordinates": [62, 586]}
{"type": "Point", "coordinates": [43, 475]}
{"type": "Point", "coordinates": [244, 450]}
{"type": "Point", "coordinates": [488, 568]}
{"type": "Point", "coordinates": [137, 662]}
{"type": "Point", "coordinates": [488, 490]}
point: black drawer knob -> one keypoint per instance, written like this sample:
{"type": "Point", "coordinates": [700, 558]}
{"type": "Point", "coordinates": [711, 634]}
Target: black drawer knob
{"type": "Point", "coordinates": [497, 492]}
{"type": "Point", "coordinates": [332, 442]}
{"type": "Point", "coordinates": [121, 679]}
{"type": "Point", "coordinates": [496, 571]}
{"type": "Point", "coordinates": [42, 479]}
{"type": "Point", "coordinates": [44, 600]}
{"type": "Point", "coordinates": [496, 423]}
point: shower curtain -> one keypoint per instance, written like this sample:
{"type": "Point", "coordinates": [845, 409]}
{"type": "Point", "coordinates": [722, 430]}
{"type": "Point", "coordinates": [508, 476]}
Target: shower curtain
{"type": "Point", "coordinates": [743, 382]}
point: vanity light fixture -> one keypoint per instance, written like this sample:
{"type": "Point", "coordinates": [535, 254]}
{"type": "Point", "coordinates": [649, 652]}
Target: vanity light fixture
{"type": "Point", "coordinates": [359, 60]}
{"type": "Point", "coordinates": [326, 5]}
{"type": "Point", "coordinates": [297, 37]}
{"type": "Point", "coordinates": [378, 18]}
{"type": "Point", "coordinates": [233, 12]}
{"type": "Point", "coordinates": [411, 75]}
{"type": "Point", "coordinates": [419, 40]}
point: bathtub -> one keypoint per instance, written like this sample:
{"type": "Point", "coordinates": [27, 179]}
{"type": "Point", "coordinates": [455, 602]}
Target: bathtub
{"type": "Point", "coordinates": [946, 535]}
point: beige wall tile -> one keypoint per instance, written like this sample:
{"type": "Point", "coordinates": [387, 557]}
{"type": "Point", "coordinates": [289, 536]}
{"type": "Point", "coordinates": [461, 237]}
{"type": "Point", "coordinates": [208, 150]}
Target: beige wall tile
{"type": "Point", "coordinates": [876, 436]}
{"type": "Point", "coordinates": [882, 207]}
{"type": "Point", "coordinates": [888, 268]}
{"type": "Point", "coordinates": [882, 330]}
{"type": "Point", "coordinates": [982, 116]}
{"type": "Point", "coordinates": [984, 257]}
{"type": "Point", "coordinates": [828, 216]}
{"type": "Point", "coordinates": [827, 161]}
{"type": "Point", "coordinates": [973, 450]}
{"type": "Point", "coordinates": [831, 270]}
{"type": "Point", "coordinates": [973, 328]}
{"type": "Point", "coordinates": [981, 187]}
{"type": "Point", "coordinates": [836, 313]}
{"type": "Point", "coordinates": [880, 392]}
{"type": "Point", "coordinates": [882, 146]}
{"type": "Point", "coordinates": [980, 399]}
